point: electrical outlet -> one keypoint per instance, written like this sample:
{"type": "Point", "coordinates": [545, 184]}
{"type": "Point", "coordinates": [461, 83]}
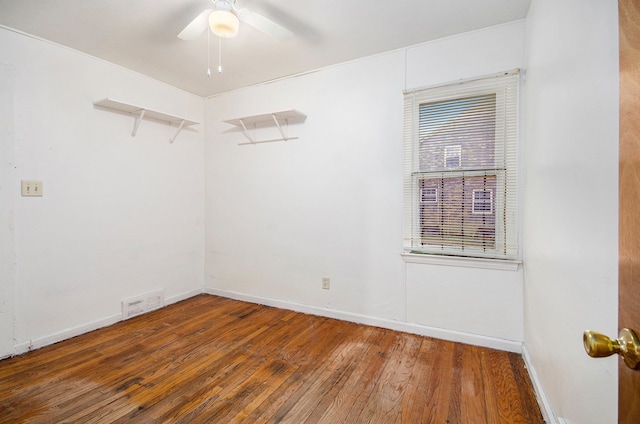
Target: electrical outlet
{"type": "Point", "coordinates": [326, 283]}
{"type": "Point", "coordinates": [30, 188]}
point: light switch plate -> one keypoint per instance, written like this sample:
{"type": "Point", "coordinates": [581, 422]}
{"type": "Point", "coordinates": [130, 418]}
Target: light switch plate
{"type": "Point", "coordinates": [31, 188]}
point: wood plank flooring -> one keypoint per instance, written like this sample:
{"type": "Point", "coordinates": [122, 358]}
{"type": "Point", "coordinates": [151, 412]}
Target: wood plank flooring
{"type": "Point", "coordinates": [215, 360]}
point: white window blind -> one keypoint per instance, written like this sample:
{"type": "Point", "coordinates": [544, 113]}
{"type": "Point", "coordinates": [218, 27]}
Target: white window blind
{"type": "Point", "coordinates": [460, 141]}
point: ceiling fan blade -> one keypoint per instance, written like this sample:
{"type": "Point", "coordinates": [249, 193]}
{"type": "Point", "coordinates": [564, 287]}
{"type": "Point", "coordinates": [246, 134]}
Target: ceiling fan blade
{"type": "Point", "coordinates": [196, 27]}
{"type": "Point", "coordinates": [263, 24]}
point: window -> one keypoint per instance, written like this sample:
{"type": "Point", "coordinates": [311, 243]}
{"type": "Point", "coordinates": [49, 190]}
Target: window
{"type": "Point", "coordinates": [460, 170]}
{"type": "Point", "coordinates": [429, 195]}
{"type": "Point", "coordinates": [452, 156]}
{"type": "Point", "coordinates": [482, 202]}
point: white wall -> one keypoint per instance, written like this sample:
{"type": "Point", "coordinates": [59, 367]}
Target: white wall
{"type": "Point", "coordinates": [120, 216]}
{"type": "Point", "coordinates": [280, 216]}
{"type": "Point", "coordinates": [7, 212]}
{"type": "Point", "coordinates": [571, 203]}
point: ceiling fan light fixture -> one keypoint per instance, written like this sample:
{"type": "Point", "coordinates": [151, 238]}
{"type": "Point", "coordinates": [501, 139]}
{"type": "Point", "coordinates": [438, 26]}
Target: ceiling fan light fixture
{"type": "Point", "coordinates": [224, 23]}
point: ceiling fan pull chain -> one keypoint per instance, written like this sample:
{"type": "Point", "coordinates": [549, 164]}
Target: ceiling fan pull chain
{"type": "Point", "coordinates": [219, 55]}
{"type": "Point", "coordinates": [208, 53]}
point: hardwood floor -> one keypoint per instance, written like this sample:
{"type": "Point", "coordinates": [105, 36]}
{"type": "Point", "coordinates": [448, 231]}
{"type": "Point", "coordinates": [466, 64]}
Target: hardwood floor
{"type": "Point", "coordinates": [215, 360]}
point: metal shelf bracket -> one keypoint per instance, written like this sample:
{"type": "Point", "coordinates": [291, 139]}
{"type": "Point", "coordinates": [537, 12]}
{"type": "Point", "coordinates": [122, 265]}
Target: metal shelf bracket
{"type": "Point", "coordinates": [172, 139]}
{"type": "Point", "coordinates": [136, 124]}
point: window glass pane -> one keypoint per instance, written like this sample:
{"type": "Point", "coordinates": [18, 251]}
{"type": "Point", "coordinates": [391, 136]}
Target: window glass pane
{"type": "Point", "coordinates": [452, 221]}
{"type": "Point", "coordinates": [462, 131]}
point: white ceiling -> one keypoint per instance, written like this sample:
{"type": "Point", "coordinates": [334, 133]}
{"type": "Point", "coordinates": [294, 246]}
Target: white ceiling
{"type": "Point", "coordinates": [141, 34]}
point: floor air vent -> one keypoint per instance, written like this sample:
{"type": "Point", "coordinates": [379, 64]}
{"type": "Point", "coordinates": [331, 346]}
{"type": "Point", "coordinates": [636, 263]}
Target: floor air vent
{"type": "Point", "coordinates": [141, 304]}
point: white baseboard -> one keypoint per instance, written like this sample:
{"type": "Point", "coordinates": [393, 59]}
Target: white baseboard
{"type": "Point", "coordinates": [183, 296]}
{"type": "Point", "coordinates": [438, 333]}
{"type": "Point", "coordinates": [545, 407]}
{"type": "Point", "coordinates": [68, 333]}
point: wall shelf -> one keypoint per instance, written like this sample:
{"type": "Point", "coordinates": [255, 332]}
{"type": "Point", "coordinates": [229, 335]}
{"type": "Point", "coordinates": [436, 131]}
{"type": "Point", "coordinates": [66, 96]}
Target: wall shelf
{"type": "Point", "coordinates": [276, 118]}
{"type": "Point", "coordinates": [140, 113]}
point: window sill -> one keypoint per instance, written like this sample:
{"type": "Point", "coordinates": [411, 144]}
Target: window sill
{"type": "Point", "coordinates": [456, 261]}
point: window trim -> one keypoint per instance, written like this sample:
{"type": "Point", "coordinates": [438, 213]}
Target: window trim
{"type": "Point", "coordinates": [461, 261]}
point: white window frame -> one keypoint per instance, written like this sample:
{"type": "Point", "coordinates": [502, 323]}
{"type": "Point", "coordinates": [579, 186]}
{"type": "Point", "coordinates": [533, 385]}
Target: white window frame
{"type": "Point", "coordinates": [504, 202]}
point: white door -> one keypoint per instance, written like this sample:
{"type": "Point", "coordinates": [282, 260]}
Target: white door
{"type": "Point", "coordinates": [7, 210]}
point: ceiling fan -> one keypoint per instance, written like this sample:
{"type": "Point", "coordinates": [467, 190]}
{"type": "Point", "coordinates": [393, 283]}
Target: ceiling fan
{"type": "Point", "coordinates": [224, 21]}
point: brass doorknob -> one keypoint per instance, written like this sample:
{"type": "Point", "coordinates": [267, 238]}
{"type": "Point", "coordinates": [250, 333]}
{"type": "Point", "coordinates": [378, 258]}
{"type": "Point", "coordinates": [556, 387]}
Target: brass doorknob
{"type": "Point", "coordinates": [627, 345]}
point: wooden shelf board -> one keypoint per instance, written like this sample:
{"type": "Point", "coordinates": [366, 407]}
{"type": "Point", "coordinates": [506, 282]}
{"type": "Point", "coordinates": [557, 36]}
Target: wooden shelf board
{"type": "Point", "coordinates": [148, 113]}
{"type": "Point", "coordinates": [290, 115]}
